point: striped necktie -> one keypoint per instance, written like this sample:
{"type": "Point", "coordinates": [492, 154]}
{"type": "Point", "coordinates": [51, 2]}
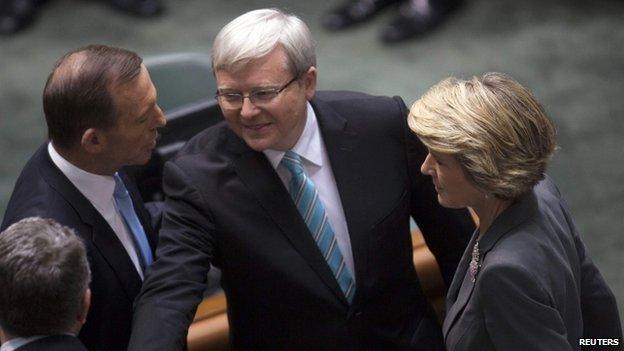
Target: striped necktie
{"type": "Point", "coordinates": [124, 205]}
{"type": "Point", "coordinates": [311, 208]}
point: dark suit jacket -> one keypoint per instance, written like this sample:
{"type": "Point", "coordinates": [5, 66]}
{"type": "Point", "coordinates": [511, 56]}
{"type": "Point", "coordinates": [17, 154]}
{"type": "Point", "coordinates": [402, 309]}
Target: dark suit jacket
{"type": "Point", "coordinates": [54, 343]}
{"type": "Point", "coordinates": [43, 190]}
{"type": "Point", "coordinates": [227, 206]}
{"type": "Point", "coordinates": [536, 289]}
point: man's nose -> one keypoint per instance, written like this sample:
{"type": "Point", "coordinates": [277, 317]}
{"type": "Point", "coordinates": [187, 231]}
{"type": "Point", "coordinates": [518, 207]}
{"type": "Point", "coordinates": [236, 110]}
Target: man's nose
{"type": "Point", "coordinates": [248, 109]}
{"type": "Point", "coordinates": [161, 120]}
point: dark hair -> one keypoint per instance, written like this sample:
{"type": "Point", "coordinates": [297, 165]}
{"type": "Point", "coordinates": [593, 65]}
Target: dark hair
{"type": "Point", "coordinates": [77, 95]}
{"type": "Point", "coordinates": [44, 274]}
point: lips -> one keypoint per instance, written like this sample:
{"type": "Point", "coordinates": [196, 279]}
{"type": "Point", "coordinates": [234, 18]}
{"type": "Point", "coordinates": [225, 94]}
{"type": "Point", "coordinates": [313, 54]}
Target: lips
{"type": "Point", "coordinates": [257, 127]}
{"type": "Point", "coordinates": [152, 143]}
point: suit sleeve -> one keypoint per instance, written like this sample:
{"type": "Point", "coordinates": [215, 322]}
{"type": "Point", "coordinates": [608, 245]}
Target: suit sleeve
{"type": "Point", "coordinates": [517, 312]}
{"type": "Point", "coordinates": [446, 231]}
{"type": "Point", "coordinates": [601, 318]}
{"type": "Point", "coordinates": [175, 282]}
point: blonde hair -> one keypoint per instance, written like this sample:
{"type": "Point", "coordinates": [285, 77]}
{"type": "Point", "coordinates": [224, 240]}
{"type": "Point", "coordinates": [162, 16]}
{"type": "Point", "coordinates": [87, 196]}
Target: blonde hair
{"type": "Point", "coordinates": [493, 126]}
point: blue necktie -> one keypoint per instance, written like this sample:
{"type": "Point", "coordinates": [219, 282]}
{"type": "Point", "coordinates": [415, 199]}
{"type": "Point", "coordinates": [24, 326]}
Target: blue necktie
{"type": "Point", "coordinates": [124, 205]}
{"type": "Point", "coordinates": [311, 208]}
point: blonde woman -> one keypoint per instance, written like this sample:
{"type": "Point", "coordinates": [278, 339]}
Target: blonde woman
{"type": "Point", "coordinates": [525, 281]}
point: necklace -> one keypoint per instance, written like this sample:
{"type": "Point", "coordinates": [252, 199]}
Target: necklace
{"type": "Point", "coordinates": [474, 262]}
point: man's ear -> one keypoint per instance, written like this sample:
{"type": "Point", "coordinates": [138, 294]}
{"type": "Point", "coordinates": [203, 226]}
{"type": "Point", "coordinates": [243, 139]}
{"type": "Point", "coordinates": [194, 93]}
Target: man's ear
{"type": "Point", "coordinates": [86, 303]}
{"type": "Point", "coordinates": [310, 82]}
{"type": "Point", "coordinates": [81, 317]}
{"type": "Point", "coordinates": [93, 141]}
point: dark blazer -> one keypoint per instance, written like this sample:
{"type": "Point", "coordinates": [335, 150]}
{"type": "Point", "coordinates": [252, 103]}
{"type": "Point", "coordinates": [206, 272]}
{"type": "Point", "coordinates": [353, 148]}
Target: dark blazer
{"type": "Point", "coordinates": [43, 190]}
{"type": "Point", "coordinates": [536, 289]}
{"type": "Point", "coordinates": [227, 206]}
{"type": "Point", "coordinates": [54, 343]}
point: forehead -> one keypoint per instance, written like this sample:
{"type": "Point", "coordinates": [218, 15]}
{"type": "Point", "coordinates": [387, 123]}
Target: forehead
{"type": "Point", "coordinates": [268, 70]}
{"type": "Point", "coordinates": [441, 155]}
{"type": "Point", "coordinates": [448, 159]}
{"type": "Point", "coordinates": [141, 87]}
{"type": "Point", "coordinates": [135, 95]}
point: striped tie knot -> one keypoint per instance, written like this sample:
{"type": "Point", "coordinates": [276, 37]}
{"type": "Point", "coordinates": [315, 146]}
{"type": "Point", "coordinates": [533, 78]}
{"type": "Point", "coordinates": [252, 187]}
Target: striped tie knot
{"type": "Point", "coordinates": [292, 162]}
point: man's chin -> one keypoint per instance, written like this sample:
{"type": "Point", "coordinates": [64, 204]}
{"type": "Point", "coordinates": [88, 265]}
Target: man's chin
{"type": "Point", "coordinates": [258, 144]}
{"type": "Point", "coordinates": [143, 160]}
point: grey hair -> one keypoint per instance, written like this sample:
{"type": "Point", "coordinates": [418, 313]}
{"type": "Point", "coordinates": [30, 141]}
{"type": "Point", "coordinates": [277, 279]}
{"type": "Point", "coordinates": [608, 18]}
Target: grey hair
{"type": "Point", "coordinates": [256, 33]}
{"type": "Point", "coordinates": [44, 274]}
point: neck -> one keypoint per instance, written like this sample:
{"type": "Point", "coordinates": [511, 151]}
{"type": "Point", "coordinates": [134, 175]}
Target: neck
{"type": "Point", "coordinates": [4, 337]}
{"type": "Point", "coordinates": [487, 211]}
{"type": "Point", "coordinates": [86, 162]}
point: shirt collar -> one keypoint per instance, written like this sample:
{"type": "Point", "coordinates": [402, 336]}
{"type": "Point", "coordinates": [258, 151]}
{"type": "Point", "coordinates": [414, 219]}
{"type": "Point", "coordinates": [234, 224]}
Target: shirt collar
{"type": "Point", "coordinates": [16, 343]}
{"type": "Point", "coordinates": [308, 146]}
{"type": "Point", "coordinates": [98, 189]}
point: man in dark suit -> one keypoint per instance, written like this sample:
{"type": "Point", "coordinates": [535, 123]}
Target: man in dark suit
{"type": "Point", "coordinates": [101, 111]}
{"type": "Point", "coordinates": [45, 293]}
{"type": "Point", "coordinates": [303, 200]}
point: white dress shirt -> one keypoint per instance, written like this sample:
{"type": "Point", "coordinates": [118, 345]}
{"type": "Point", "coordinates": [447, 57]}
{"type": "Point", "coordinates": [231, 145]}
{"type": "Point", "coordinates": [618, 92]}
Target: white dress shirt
{"type": "Point", "coordinates": [311, 148]}
{"type": "Point", "coordinates": [16, 343]}
{"type": "Point", "coordinates": [99, 190]}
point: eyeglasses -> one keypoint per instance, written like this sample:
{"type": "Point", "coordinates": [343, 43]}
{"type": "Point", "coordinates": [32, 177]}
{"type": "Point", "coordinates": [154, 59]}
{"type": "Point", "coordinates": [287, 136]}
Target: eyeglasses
{"type": "Point", "coordinates": [258, 97]}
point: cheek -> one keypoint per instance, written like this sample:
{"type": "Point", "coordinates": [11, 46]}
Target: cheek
{"type": "Point", "coordinates": [137, 139]}
{"type": "Point", "coordinates": [231, 118]}
{"type": "Point", "coordinates": [281, 118]}
{"type": "Point", "coordinates": [292, 110]}
{"type": "Point", "coordinates": [452, 184]}
{"type": "Point", "coordinates": [294, 119]}
{"type": "Point", "coordinates": [461, 190]}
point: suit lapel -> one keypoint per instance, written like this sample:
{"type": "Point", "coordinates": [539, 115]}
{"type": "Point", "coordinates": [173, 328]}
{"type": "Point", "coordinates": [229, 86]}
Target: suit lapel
{"type": "Point", "coordinates": [459, 294]}
{"type": "Point", "coordinates": [258, 175]}
{"type": "Point", "coordinates": [102, 236]}
{"type": "Point", "coordinates": [340, 142]}
{"type": "Point", "coordinates": [107, 243]}
{"type": "Point", "coordinates": [459, 290]}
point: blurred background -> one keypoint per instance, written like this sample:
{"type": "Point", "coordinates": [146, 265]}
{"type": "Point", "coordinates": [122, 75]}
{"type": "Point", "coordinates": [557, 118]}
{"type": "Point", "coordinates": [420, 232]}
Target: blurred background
{"type": "Point", "coordinates": [570, 53]}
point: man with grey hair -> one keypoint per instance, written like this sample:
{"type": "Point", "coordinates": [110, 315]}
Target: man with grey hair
{"type": "Point", "coordinates": [303, 199]}
{"type": "Point", "coordinates": [45, 296]}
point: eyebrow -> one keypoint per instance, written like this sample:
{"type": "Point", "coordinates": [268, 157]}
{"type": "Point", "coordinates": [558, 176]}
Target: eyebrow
{"type": "Point", "coordinates": [435, 155]}
{"type": "Point", "coordinates": [258, 88]}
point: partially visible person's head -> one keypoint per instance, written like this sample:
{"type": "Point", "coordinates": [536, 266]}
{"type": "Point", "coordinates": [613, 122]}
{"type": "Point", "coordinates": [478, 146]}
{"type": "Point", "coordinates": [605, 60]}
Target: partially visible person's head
{"type": "Point", "coordinates": [492, 126]}
{"type": "Point", "coordinates": [101, 99]}
{"type": "Point", "coordinates": [269, 55]}
{"type": "Point", "coordinates": [44, 275]}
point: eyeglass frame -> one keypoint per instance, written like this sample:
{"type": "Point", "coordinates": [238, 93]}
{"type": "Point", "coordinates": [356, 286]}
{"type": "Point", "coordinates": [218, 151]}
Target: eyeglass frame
{"type": "Point", "coordinates": [252, 96]}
